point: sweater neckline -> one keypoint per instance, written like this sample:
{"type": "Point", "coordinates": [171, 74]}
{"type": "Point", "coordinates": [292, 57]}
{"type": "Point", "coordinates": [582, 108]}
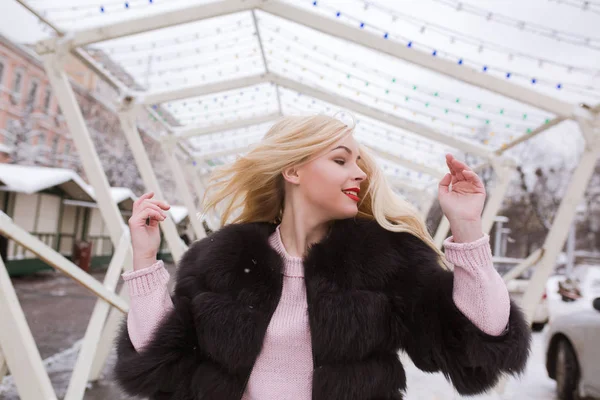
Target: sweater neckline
{"type": "Point", "coordinates": [292, 265]}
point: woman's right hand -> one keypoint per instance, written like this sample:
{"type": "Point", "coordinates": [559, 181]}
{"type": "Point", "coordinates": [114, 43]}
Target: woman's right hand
{"type": "Point", "coordinates": [145, 238]}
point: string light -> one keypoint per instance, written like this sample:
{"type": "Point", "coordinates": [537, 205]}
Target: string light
{"type": "Point", "coordinates": [413, 111]}
{"type": "Point", "coordinates": [587, 6]}
{"type": "Point", "coordinates": [531, 27]}
{"type": "Point", "coordinates": [379, 73]}
{"type": "Point", "coordinates": [410, 43]}
{"type": "Point", "coordinates": [242, 31]}
{"type": "Point", "coordinates": [86, 12]}
{"type": "Point", "coordinates": [472, 40]}
{"type": "Point", "coordinates": [82, 7]}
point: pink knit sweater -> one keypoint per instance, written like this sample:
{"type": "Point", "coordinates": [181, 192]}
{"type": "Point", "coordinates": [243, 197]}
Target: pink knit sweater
{"type": "Point", "coordinates": [284, 367]}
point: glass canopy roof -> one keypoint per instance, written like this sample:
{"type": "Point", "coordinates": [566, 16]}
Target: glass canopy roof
{"type": "Point", "coordinates": [548, 47]}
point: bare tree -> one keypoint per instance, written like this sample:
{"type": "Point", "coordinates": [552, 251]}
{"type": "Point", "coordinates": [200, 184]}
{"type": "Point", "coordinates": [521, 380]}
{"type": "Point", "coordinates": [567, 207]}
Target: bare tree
{"type": "Point", "coordinates": [22, 131]}
{"type": "Point", "coordinates": [534, 197]}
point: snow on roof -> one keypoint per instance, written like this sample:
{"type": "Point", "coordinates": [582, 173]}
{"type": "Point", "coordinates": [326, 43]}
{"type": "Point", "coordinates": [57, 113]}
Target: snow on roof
{"type": "Point", "coordinates": [179, 213]}
{"type": "Point", "coordinates": [32, 179]}
{"type": "Point", "coordinates": [123, 196]}
{"type": "Point", "coordinates": [120, 194]}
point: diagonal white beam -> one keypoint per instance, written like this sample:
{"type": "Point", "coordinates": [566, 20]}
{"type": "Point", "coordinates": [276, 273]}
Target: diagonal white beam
{"type": "Point", "coordinates": [148, 23]}
{"type": "Point", "coordinates": [436, 173]}
{"type": "Point", "coordinates": [323, 95]}
{"type": "Point", "coordinates": [523, 138]}
{"type": "Point", "coordinates": [199, 90]}
{"type": "Point", "coordinates": [264, 57]}
{"type": "Point", "coordinates": [184, 133]}
{"type": "Point", "coordinates": [401, 183]}
{"type": "Point", "coordinates": [417, 57]}
{"type": "Point", "coordinates": [390, 119]}
{"type": "Point", "coordinates": [208, 156]}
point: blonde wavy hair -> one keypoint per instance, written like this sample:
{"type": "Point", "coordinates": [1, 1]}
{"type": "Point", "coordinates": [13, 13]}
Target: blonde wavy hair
{"type": "Point", "coordinates": [251, 189]}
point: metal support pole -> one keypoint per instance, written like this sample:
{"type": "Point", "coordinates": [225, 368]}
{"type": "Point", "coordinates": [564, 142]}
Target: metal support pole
{"type": "Point", "coordinates": [129, 126]}
{"type": "Point", "coordinates": [442, 232]}
{"type": "Point", "coordinates": [571, 250]}
{"type": "Point", "coordinates": [427, 201]}
{"type": "Point", "coordinates": [169, 148]}
{"type": "Point", "coordinates": [85, 147]}
{"type": "Point", "coordinates": [517, 270]}
{"type": "Point", "coordinates": [57, 261]}
{"type": "Point", "coordinates": [566, 213]}
{"type": "Point", "coordinates": [108, 336]}
{"type": "Point", "coordinates": [18, 346]}
{"type": "Point", "coordinates": [497, 194]}
{"type": "Point", "coordinates": [95, 173]}
{"type": "Point", "coordinates": [93, 334]}
{"type": "Point", "coordinates": [498, 248]}
{"type": "Point", "coordinates": [196, 183]}
{"type": "Point", "coordinates": [3, 365]}
{"type": "Point", "coordinates": [505, 233]}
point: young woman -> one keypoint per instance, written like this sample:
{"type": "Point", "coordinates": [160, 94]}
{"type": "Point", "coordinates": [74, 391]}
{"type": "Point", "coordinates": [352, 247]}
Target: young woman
{"type": "Point", "coordinates": [319, 276]}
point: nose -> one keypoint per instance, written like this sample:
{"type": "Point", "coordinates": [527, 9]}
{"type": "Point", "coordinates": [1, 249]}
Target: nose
{"type": "Point", "coordinates": [361, 176]}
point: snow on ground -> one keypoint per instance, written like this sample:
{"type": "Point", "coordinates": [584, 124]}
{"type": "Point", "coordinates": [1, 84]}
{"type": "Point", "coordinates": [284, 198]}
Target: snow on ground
{"type": "Point", "coordinates": [533, 385]}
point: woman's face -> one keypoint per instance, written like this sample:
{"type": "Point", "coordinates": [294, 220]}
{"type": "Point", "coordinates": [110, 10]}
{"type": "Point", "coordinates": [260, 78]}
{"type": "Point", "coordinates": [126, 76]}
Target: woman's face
{"type": "Point", "coordinates": [330, 184]}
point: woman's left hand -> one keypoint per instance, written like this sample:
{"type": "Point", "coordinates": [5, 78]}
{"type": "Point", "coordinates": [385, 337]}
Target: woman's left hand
{"type": "Point", "coordinates": [464, 203]}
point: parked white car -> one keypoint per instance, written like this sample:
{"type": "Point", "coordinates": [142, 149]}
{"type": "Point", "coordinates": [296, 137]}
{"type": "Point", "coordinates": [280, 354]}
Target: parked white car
{"type": "Point", "coordinates": [516, 288]}
{"type": "Point", "coordinates": [573, 352]}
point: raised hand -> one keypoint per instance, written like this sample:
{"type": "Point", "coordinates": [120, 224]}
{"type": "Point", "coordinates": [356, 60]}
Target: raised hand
{"type": "Point", "coordinates": [463, 205]}
{"type": "Point", "coordinates": [145, 231]}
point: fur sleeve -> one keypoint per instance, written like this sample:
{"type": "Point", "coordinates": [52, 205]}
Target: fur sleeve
{"type": "Point", "coordinates": [166, 366]}
{"type": "Point", "coordinates": [438, 337]}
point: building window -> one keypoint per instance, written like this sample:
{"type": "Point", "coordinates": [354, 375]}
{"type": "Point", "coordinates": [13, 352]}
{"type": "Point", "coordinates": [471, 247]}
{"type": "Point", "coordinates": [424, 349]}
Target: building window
{"type": "Point", "coordinates": [1, 72]}
{"type": "Point", "coordinates": [67, 148]}
{"type": "Point", "coordinates": [12, 125]}
{"type": "Point", "coordinates": [15, 96]}
{"type": "Point", "coordinates": [55, 143]}
{"type": "Point", "coordinates": [47, 99]}
{"type": "Point", "coordinates": [32, 95]}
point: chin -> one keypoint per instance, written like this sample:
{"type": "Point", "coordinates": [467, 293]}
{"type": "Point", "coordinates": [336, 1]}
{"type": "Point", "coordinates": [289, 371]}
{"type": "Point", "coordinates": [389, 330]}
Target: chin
{"type": "Point", "coordinates": [348, 212]}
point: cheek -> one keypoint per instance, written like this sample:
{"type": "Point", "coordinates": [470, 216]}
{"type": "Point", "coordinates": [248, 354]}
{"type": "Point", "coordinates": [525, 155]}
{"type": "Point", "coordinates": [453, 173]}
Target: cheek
{"type": "Point", "coordinates": [324, 190]}
{"type": "Point", "coordinates": [323, 185]}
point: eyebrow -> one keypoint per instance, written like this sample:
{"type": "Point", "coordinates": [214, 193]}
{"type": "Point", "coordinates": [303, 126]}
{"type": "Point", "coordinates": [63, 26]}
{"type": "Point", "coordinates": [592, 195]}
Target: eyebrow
{"type": "Point", "coordinates": [347, 150]}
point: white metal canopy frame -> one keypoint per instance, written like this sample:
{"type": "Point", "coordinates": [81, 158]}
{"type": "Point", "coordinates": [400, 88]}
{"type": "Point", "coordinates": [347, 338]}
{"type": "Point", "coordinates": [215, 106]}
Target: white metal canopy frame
{"type": "Point", "coordinates": [225, 70]}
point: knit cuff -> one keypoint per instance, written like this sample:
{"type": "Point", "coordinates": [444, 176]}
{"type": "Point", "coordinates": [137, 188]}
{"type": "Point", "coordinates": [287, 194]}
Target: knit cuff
{"type": "Point", "coordinates": [146, 280]}
{"type": "Point", "coordinates": [471, 255]}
